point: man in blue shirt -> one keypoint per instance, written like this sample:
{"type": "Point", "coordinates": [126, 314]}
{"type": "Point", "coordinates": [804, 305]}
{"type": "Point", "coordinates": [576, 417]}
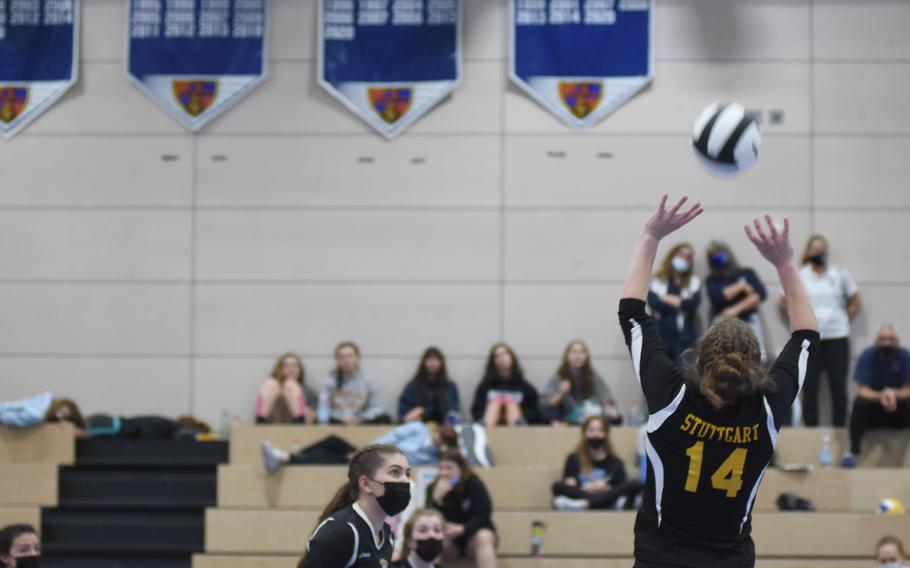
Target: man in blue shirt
{"type": "Point", "coordinates": [883, 396]}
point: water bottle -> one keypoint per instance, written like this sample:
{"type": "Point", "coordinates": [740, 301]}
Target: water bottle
{"type": "Point", "coordinates": [323, 411]}
{"type": "Point", "coordinates": [537, 532]}
{"type": "Point", "coordinates": [224, 425]}
{"type": "Point", "coordinates": [826, 458]}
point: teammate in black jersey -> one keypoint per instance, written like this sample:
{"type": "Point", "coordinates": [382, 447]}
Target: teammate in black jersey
{"type": "Point", "coordinates": [712, 428]}
{"type": "Point", "coordinates": [352, 531]}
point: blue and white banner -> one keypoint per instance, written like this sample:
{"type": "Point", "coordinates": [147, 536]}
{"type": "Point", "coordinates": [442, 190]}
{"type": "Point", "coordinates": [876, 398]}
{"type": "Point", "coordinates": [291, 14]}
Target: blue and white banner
{"type": "Point", "coordinates": [390, 61]}
{"type": "Point", "coordinates": [196, 58]}
{"type": "Point", "coordinates": [38, 56]}
{"type": "Point", "coordinates": [581, 59]}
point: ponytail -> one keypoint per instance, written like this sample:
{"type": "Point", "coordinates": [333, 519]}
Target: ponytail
{"type": "Point", "coordinates": [366, 462]}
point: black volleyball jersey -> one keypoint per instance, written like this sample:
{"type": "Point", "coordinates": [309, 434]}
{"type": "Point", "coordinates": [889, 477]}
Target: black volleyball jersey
{"type": "Point", "coordinates": [346, 539]}
{"type": "Point", "coordinates": [704, 465]}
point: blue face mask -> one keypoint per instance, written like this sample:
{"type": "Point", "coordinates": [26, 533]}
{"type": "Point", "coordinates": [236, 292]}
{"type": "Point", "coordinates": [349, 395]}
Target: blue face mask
{"type": "Point", "coordinates": [720, 260]}
{"type": "Point", "coordinates": [454, 481]}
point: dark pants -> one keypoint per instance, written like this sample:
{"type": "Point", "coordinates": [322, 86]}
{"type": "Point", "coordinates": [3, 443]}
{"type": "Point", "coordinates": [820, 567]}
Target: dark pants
{"type": "Point", "coordinates": [870, 414]}
{"type": "Point", "coordinates": [330, 450]}
{"type": "Point", "coordinates": [833, 359]}
{"type": "Point", "coordinates": [605, 500]}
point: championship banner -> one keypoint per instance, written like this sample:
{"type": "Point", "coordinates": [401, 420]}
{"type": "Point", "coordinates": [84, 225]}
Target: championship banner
{"type": "Point", "coordinates": [196, 58]}
{"type": "Point", "coordinates": [389, 61]}
{"type": "Point", "coordinates": [581, 59]}
{"type": "Point", "coordinates": [38, 57]}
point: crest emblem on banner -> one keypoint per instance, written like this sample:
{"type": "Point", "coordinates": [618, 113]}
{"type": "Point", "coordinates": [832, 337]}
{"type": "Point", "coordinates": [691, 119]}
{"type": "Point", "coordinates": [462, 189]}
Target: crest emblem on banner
{"type": "Point", "coordinates": [581, 98]}
{"type": "Point", "coordinates": [392, 103]}
{"type": "Point", "coordinates": [13, 101]}
{"type": "Point", "coordinates": [195, 97]}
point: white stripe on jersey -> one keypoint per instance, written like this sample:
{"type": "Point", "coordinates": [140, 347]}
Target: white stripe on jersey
{"type": "Point", "coordinates": [752, 499]}
{"type": "Point", "coordinates": [356, 546]}
{"type": "Point", "coordinates": [772, 432]}
{"type": "Point", "coordinates": [658, 467]}
{"type": "Point", "coordinates": [312, 536]}
{"type": "Point", "coordinates": [635, 348]}
{"type": "Point", "coordinates": [803, 363]}
{"type": "Point", "coordinates": [657, 419]}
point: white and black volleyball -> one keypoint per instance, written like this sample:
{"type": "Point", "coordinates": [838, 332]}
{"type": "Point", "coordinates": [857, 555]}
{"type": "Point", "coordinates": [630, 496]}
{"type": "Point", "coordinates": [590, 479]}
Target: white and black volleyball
{"type": "Point", "coordinates": [726, 138]}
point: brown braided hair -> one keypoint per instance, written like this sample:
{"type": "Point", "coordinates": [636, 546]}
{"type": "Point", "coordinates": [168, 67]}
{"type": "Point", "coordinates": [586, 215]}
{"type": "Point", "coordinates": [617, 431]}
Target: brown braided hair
{"type": "Point", "coordinates": [727, 366]}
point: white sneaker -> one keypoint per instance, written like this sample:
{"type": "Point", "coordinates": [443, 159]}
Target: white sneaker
{"type": "Point", "coordinates": [563, 503]}
{"type": "Point", "coordinates": [270, 457]}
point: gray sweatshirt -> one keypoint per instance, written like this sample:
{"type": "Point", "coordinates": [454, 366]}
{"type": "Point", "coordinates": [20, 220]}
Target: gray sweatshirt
{"type": "Point", "coordinates": [357, 397]}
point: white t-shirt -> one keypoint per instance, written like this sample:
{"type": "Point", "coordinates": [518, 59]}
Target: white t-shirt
{"type": "Point", "coordinates": [829, 292]}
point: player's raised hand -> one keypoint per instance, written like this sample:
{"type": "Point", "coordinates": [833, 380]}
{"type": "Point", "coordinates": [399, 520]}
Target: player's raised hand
{"type": "Point", "coordinates": [665, 221]}
{"type": "Point", "coordinates": [773, 245]}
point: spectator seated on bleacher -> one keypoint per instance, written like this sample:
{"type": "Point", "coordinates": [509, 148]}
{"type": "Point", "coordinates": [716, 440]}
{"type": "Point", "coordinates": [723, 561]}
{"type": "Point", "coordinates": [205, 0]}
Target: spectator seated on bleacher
{"type": "Point", "coordinates": [465, 503]}
{"type": "Point", "coordinates": [284, 397]}
{"type": "Point", "coordinates": [504, 396]}
{"type": "Point", "coordinates": [593, 477]}
{"type": "Point", "coordinates": [577, 390]}
{"type": "Point", "coordinates": [348, 396]}
{"type": "Point", "coordinates": [419, 442]}
{"type": "Point", "coordinates": [883, 394]}
{"type": "Point", "coordinates": [889, 553]}
{"type": "Point", "coordinates": [431, 396]}
{"type": "Point", "coordinates": [20, 547]}
{"type": "Point", "coordinates": [423, 540]}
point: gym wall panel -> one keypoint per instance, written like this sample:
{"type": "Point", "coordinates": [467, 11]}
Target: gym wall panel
{"type": "Point", "coordinates": [872, 246]}
{"type": "Point", "coordinates": [484, 25]}
{"type": "Point", "coordinates": [365, 245]}
{"type": "Point", "coordinates": [103, 31]}
{"type": "Point", "coordinates": [237, 380]}
{"type": "Point", "coordinates": [105, 101]}
{"type": "Point", "coordinates": [724, 30]}
{"type": "Point", "coordinates": [87, 171]}
{"type": "Point", "coordinates": [112, 319]}
{"type": "Point", "coordinates": [574, 245]}
{"type": "Point", "coordinates": [126, 386]}
{"type": "Point", "coordinates": [862, 172]}
{"type": "Point", "coordinates": [307, 108]}
{"type": "Point", "coordinates": [349, 171]}
{"type": "Point", "coordinates": [386, 319]}
{"type": "Point", "coordinates": [862, 98]}
{"type": "Point", "coordinates": [95, 244]}
{"type": "Point", "coordinates": [872, 29]}
{"type": "Point", "coordinates": [611, 172]}
{"type": "Point", "coordinates": [289, 21]}
{"type": "Point", "coordinates": [680, 91]}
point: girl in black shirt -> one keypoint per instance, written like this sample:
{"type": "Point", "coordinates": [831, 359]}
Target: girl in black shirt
{"type": "Point", "coordinates": [423, 540]}
{"type": "Point", "coordinates": [594, 478]}
{"type": "Point", "coordinates": [463, 500]}
{"type": "Point", "coordinates": [504, 396]}
{"type": "Point", "coordinates": [352, 531]}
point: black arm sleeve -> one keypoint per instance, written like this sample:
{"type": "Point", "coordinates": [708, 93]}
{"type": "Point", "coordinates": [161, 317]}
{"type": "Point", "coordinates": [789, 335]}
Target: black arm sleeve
{"type": "Point", "coordinates": [658, 376]}
{"type": "Point", "coordinates": [331, 546]}
{"type": "Point", "coordinates": [481, 512]}
{"type": "Point", "coordinates": [789, 371]}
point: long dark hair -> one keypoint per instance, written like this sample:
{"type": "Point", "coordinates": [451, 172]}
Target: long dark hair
{"type": "Point", "coordinates": [435, 388]}
{"type": "Point", "coordinates": [491, 375]}
{"type": "Point", "coordinates": [727, 364]}
{"type": "Point", "coordinates": [467, 473]}
{"type": "Point", "coordinates": [75, 416]}
{"type": "Point", "coordinates": [587, 371]}
{"type": "Point", "coordinates": [339, 376]}
{"type": "Point", "coordinates": [366, 462]}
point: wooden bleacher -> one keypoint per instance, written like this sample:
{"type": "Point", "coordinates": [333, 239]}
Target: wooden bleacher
{"type": "Point", "coordinates": [29, 463]}
{"type": "Point", "coordinates": [283, 508]}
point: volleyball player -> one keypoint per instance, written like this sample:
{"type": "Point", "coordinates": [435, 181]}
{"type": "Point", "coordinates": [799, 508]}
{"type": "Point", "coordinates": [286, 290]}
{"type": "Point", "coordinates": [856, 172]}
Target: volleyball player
{"type": "Point", "coordinates": [712, 428]}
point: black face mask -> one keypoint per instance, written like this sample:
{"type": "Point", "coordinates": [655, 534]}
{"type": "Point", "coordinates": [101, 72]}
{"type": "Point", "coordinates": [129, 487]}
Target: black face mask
{"type": "Point", "coordinates": [596, 443]}
{"type": "Point", "coordinates": [396, 498]}
{"type": "Point", "coordinates": [887, 351]}
{"type": "Point", "coordinates": [429, 550]}
{"type": "Point", "coordinates": [28, 562]}
{"type": "Point", "coordinates": [819, 259]}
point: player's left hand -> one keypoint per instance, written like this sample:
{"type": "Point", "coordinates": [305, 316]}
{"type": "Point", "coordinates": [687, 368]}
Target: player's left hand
{"type": "Point", "coordinates": [665, 221]}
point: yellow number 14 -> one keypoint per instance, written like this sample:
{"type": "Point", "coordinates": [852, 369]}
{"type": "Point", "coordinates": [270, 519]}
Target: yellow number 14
{"type": "Point", "coordinates": [728, 477]}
